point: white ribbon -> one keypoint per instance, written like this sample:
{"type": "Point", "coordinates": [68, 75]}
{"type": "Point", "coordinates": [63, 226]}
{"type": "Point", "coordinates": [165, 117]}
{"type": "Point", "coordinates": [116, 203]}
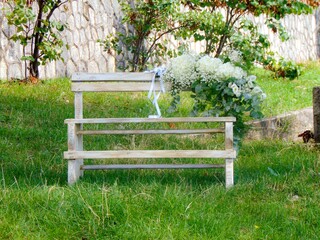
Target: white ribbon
{"type": "Point", "coordinates": [152, 95]}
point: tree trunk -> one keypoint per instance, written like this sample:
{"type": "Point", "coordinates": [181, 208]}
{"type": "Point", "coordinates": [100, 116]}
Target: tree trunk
{"type": "Point", "coordinates": [34, 68]}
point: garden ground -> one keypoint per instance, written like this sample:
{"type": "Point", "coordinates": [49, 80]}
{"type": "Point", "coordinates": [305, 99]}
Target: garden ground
{"type": "Point", "coordinates": [276, 195]}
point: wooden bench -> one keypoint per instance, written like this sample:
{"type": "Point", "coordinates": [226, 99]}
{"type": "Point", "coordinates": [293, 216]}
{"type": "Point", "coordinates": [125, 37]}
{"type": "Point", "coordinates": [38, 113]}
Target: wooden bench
{"type": "Point", "coordinates": [136, 82]}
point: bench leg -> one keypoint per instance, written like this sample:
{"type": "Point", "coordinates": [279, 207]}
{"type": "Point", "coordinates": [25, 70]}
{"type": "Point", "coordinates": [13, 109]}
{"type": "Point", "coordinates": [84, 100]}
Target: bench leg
{"type": "Point", "coordinates": [75, 143]}
{"type": "Point", "coordinates": [80, 148]}
{"type": "Point", "coordinates": [229, 172]}
{"type": "Point", "coordinates": [74, 172]}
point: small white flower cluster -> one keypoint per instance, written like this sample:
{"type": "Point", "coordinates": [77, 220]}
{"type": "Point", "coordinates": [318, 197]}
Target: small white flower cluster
{"type": "Point", "coordinates": [235, 56]}
{"type": "Point", "coordinates": [208, 68]}
{"type": "Point", "coordinates": [181, 71]}
{"type": "Point", "coordinates": [185, 69]}
{"type": "Point", "coordinates": [228, 70]}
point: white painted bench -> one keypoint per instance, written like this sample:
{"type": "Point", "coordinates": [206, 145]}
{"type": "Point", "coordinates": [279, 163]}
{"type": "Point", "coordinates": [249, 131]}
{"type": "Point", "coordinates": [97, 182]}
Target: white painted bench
{"type": "Point", "coordinates": [136, 82]}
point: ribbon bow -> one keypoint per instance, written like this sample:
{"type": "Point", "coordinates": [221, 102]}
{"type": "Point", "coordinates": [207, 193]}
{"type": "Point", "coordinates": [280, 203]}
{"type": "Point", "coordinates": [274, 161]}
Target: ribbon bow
{"type": "Point", "coordinates": [152, 95]}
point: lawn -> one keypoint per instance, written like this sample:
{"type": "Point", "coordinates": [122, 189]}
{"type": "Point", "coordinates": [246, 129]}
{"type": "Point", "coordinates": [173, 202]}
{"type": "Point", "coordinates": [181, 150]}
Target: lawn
{"type": "Point", "coordinates": [276, 195]}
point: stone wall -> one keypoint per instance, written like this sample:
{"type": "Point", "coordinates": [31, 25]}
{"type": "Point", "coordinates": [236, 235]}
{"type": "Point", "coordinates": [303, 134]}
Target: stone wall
{"type": "Point", "coordinates": [90, 20]}
{"type": "Point", "coordinates": [87, 21]}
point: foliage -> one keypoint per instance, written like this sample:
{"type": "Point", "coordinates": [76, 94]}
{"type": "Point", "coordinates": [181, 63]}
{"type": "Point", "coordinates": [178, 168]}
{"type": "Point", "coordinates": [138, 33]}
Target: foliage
{"type": "Point", "coordinates": [222, 33]}
{"type": "Point", "coordinates": [218, 89]}
{"type": "Point", "coordinates": [252, 45]}
{"type": "Point", "coordinates": [221, 25]}
{"type": "Point", "coordinates": [285, 69]}
{"type": "Point", "coordinates": [37, 32]}
{"type": "Point", "coordinates": [142, 38]}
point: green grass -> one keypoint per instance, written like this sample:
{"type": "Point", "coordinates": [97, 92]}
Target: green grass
{"type": "Point", "coordinates": [284, 95]}
{"type": "Point", "coordinates": [276, 195]}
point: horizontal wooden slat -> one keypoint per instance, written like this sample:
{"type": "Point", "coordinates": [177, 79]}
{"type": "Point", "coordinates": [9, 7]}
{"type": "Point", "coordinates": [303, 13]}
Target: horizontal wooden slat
{"type": "Point", "coordinates": [116, 76]}
{"type": "Point", "coordinates": [115, 87]}
{"type": "Point", "coordinates": [150, 154]}
{"type": "Point", "coordinates": [150, 166]}
{"type": "Point", "coordinates": [152, 120]}
{"type": "Point", "coordinates": [158, 131]}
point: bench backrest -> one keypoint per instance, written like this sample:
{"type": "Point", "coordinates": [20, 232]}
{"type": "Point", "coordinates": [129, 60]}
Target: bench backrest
{"type": "Point", "coordinates": [113, 82]}
{"type": "Point", "coordinates": [109, 82]}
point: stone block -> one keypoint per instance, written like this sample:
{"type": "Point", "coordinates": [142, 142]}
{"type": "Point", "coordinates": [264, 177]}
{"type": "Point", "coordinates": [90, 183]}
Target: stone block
{"type": "Point", "coordinates": [93, 67]}
{"type": "Point", "coordinates": [75, 56]}
{"type": "Point", "coordinates": [83, 37]}
{"type": "Point", "coordinates": [98, 49]}
{"type": "Point", "coordinates": [84, 22]}
{"type": "Point", "coordinates": [107, 7]}
{"type": "Point", "coordinates": [71, 68]}
{"type": "Point", "coordinates": [91, 16]}
{"type": "Point", "coordinates": [94, 34]}
{"type": "Point", "coordinates": [82, 66]}
{"type": "Point", "coordinates": [4, 43]}
{"type": "Point", "coordinates": [84, 53]}
{"type": "Point", "coordinates": [285, 126]}
{"type": "Point", "coordinates": [14, 52]}
{"type": "Point", "coordinates": [98, 20]}
{"type": "Point", "coordinates": [88, 34]}
{"type": "Point", "coordinates": [95, 4]}
{"type": "Point", "coordinates": [15, 71]}
{"type": "Point", "coordinates": [77, 21]}
{"type": "Point", "coordinates": [69, 38]}
{"type": "Point", "coordinates": [61, 70]}
{"type": "Point", "coordinates": [76, 37]}
{"type": "Point", "coordinates": [111, 64]}
{"type": "Point", "coordinates": [91, 49]}
{"type": "Point", "coordinates": [71, 23]}
{"type": "Point", "coordinates": [81, 5]}
{"type": "Point", "coordinates": [74, 7]}
{"type": "Point", "coordinates": [3, 70]}
{"type": "Point", "coordinates": [102, 64]}
{"type": "Point", "coordinates": [50, 70]}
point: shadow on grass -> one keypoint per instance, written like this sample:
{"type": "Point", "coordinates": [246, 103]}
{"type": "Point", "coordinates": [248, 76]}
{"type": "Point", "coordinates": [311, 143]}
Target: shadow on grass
{"type": "Point", "coordinates": [162, 177]}
{"type": "Point", "coordinates": [33, 138]}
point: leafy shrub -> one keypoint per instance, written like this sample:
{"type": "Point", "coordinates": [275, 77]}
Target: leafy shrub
{"type": "Point", "coordinates": [218, 88]}
{"type": "Point", "coordinates": [285, 69]}
{"type": "Point", "coordinates": [141, 39]}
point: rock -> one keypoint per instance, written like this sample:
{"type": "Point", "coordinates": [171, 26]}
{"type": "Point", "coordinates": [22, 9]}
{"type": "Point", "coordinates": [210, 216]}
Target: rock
{"type": "Point", "coordinates": [285, 126]}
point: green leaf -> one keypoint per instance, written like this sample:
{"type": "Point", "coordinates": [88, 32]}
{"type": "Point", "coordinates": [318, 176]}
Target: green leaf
{"type": "Point", "coordinates": [27, 58]}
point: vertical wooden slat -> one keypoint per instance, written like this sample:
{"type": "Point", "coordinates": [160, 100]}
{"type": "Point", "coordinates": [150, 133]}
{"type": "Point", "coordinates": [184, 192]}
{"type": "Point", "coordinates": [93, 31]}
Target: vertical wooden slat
{"type": "Point", "coordinates": [78, 105]}
{"type": "Point", "coordinates": [78, 114]}
{"type": "Point", "coordinates": [73, 164]}
{"type": "Point", "coordinates": [229, 161]}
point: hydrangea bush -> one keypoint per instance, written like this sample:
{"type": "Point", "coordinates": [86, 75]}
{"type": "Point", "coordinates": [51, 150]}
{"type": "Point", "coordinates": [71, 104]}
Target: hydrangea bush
{"type": "Point", "coordinates": [218, 88]}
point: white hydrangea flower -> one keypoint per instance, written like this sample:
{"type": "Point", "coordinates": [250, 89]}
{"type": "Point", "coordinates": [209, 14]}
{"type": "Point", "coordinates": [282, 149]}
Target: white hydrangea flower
{"type": "Point", "coordinates": [181, 71]}
{"type": "Point", "coordinates": [184, 70]}
{"type": "Point", "coordinates": [208, 65]}
{"type": "Point", "coordinates": [235, 89]}
{"type": "Point", "coordinates": [238, 73]}
{"type": "Point", "coordinates": [257, 90]}
{"type": "Point", "coordinates": [225, 71]}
